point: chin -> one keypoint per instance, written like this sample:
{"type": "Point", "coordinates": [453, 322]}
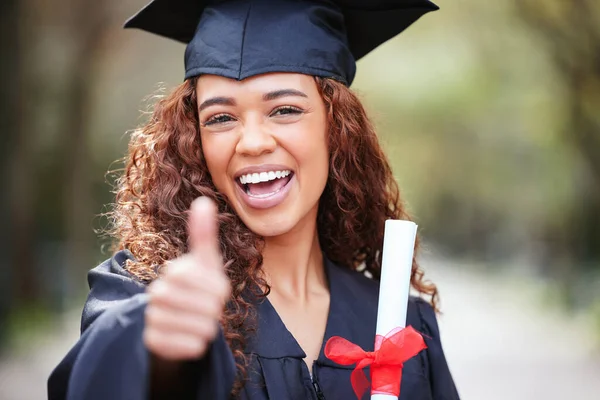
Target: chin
{"type": "Point", "coordinates": [270, 227]}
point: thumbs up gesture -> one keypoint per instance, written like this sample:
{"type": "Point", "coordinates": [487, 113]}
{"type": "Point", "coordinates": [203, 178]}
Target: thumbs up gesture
{"type": "Point", "coordinates": [186, 303]}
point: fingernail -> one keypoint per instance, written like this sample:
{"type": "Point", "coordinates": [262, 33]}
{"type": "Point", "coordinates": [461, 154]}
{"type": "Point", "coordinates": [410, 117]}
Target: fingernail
{"type": "Point", "coordinates": [203, 203]}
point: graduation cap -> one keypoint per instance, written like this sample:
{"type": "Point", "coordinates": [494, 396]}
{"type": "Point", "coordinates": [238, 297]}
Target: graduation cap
{"type": "Point", "coordinates": [242, 38]}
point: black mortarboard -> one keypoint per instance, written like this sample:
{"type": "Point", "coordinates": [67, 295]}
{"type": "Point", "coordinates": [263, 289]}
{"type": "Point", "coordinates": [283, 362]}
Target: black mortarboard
{"type": "Point", "coordinates": [242, 38]}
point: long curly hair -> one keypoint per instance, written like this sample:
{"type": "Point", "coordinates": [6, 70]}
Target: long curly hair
{"type": "Point", "coordinates": [165, 171]}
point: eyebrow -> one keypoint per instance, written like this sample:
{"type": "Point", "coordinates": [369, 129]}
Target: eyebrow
{"type": "Point", "coordinates": [283, 93]}
{"type": "Point", "coordinates": [214, 101]}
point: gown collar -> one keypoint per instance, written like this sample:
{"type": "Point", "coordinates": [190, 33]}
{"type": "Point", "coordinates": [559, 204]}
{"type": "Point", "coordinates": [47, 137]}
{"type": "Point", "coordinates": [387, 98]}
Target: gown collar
{"type": "Point", "coordinates": [352, 315]}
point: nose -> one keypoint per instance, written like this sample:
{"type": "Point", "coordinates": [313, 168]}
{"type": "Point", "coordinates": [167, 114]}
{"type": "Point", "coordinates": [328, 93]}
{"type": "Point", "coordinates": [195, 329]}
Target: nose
{"type": "Point", "coordinates": [255, 140]}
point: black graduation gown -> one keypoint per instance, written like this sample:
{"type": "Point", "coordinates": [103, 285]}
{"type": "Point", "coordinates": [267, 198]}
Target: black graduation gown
{"type": "Point", "coordinates": [110, 361]}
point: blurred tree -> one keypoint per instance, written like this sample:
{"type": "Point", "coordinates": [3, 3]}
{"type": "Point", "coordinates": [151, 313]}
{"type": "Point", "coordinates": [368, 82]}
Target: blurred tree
{"type": "Point", "coordinates": [9, 76]}
{"type": "Point", "coordinates": [47, 79]}
{"type": "Point", "coordinates": [87, 22]}
{"type": "Point", "coordinates": [571, 33]}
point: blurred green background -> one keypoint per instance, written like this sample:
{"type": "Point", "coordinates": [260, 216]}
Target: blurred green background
{"type": "Point", "coordinates": [490, 112]}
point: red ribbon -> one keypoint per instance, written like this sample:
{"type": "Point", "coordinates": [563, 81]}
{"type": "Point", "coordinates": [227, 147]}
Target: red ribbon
{"type": "Point", "coordinates": [391, 352]}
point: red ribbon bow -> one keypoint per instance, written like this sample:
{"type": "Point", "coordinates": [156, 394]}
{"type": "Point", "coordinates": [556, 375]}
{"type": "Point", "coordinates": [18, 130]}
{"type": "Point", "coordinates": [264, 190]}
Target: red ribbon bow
{"type": "Point", "coordinates": [391, 352]}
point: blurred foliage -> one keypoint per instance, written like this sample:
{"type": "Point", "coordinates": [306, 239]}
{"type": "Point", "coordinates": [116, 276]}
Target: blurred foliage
{"type": "Point", "coordinates": [24, 327]}
{"type": "Point", "coordinates": [489, 111]}
{"type": "Point", "coordinates": [493, 125]}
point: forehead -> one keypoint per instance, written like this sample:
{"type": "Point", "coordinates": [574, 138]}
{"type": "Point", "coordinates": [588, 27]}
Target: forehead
{"type": "Point", "coordinates": [212, 85]}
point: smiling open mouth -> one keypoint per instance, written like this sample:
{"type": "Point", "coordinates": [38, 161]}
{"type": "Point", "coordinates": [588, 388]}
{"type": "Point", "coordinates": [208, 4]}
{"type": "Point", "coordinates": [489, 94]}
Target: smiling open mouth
{"type": "Point", "coordinates": [264, 184]}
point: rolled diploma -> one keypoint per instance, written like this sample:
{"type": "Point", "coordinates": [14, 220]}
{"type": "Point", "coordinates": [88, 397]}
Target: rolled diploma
{"type": "Point", "coordinates": [394, 287]}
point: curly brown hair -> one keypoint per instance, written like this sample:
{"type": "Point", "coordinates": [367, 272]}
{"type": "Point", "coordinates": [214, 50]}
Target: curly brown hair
{"type": "Point", "coordinates": [165, 171]}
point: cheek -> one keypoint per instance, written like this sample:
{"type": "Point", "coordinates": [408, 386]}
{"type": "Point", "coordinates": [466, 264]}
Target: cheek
{"type": "Point", "coordinates": [319, 149]}
{"type": "Point", "coordinates": [319, 166]}
{"type": "Point", "coordinates": [312, 154]}
{"type": "Point", "coordinates": [316, 156]}
{"type": "Point", "coordinates": [217, 155]}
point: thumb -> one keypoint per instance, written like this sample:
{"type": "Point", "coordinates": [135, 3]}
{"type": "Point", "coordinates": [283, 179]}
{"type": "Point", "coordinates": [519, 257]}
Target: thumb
{"type": "Point", "coordinates": [203, 233]}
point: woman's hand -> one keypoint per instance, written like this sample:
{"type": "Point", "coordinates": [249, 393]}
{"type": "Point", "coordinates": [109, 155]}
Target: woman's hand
{"type": "Point", "coordinates": [186, 303]}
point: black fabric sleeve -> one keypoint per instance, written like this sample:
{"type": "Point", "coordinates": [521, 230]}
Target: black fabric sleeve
{"type": "Point", "coordinates": [442, 384]}
{"type": "Point", "coordinates": [110, 360]}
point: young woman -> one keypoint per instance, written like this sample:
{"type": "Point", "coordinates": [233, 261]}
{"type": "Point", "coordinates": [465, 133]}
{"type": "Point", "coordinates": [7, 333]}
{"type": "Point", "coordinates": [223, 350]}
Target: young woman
{"type": "Point", "coordinates": [250, 202]}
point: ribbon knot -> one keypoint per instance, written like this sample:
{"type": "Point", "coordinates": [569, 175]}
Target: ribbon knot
{"type": "Point", "coordinates": [387, 361]}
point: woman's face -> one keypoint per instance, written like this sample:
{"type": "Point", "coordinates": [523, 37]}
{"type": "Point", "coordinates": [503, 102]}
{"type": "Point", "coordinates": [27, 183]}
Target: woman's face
{"type": "Point", "coordinates": [265, 144]}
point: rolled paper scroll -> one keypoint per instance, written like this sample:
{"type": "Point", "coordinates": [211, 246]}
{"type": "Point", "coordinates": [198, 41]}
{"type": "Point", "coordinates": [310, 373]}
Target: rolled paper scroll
{"type": "Point", "coordinates": [394, 287]}
{"type": "Point", "coordinates": [394, 343]}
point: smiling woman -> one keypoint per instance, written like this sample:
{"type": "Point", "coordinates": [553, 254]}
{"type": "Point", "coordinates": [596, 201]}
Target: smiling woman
{"type": "Point", "coordinates": [249, 203]}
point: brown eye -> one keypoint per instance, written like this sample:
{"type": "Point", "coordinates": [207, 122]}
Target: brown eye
{"type": "Point", "coordinates": [286, 110]}
{"type": "Point", "coordinates": [218, 119]}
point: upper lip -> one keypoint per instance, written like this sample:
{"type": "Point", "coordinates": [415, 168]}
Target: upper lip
{"type": "Point", "coordinates": [261, 168]}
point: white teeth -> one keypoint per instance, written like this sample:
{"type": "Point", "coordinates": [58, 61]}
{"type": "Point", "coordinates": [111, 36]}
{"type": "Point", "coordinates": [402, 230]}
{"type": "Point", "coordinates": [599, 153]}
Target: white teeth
{"type": "Point", "coordinates": [263, 176]}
